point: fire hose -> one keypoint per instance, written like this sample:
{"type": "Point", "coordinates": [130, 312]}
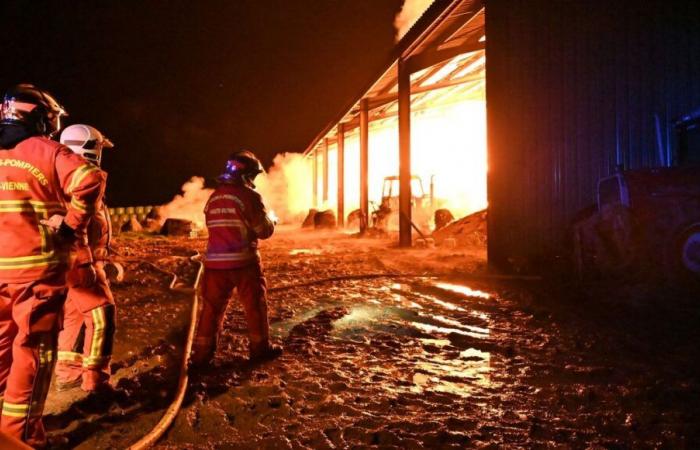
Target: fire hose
{"type": "Point", "coordinates": [162, 426]}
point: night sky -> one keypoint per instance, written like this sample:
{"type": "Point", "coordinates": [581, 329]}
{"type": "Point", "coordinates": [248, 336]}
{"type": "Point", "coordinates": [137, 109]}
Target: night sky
{"type": "Point", "coordinates": [177, 85]}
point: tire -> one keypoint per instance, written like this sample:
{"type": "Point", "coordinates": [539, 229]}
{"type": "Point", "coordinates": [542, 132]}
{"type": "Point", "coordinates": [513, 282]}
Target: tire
{"type": "Point", "coordinates": [683, 258]}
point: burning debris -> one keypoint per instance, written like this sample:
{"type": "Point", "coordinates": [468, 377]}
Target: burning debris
{"type": "Point", "coordinates": [177, 227]}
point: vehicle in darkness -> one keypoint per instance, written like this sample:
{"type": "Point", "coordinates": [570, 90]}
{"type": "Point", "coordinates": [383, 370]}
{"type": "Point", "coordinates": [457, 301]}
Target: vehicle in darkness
{"type": "Point", "coordinates": [648, 220]}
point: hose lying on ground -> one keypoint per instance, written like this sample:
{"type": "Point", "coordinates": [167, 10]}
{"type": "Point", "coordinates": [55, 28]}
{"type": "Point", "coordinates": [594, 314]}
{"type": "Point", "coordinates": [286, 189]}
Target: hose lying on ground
{"type": "Point", "coordinates": [161, 427]}
{"type": "Point", "coordinates": [170, 414]}
{"type": "Point", "coordinates": [369, 276]}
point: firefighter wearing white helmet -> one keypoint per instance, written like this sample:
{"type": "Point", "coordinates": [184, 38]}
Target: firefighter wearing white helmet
{"type": "Point", "coordinates": [85, 343]}
{"type": "Point", "coordinates": [49, 195]}
{"type": "Point", "coordinates": [86, 141]}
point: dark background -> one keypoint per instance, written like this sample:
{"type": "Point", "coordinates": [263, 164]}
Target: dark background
{"type": "Point", "coordinates": [177, 85]}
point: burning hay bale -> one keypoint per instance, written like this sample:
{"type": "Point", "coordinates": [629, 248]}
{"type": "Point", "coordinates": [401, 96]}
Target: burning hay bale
{"type": "Point", "coordinates": [354, 219]}
{"type": "Point", "coordinates": [325, 220]}
{"type": "Point", "coordinates": [176, 227]}
{"type": "Point", "coordinates": [319, 219]}
{"type": "Point", "coordinates": [443, 217]}
{"type": "Point", "coordinates": [467, 231]}
{"type": "Point", "coordinates": [309, 220]}
{"type": "Point", "coordinates": [153, 220]}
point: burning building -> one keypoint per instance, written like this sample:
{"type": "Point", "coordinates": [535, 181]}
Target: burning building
{"type": "Point", "coordinates": [417, 134]}
{"type": "Point", "coordinates": [567, 93]}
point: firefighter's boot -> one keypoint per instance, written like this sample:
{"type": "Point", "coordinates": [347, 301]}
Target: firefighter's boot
{"type": "Point", "coordinates": [203, 350]}
{"type": "Point", "coordinates": [265, 351]}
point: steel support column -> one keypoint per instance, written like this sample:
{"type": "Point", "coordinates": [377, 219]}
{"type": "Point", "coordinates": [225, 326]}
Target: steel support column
{"type": "Point", "coordinates": [341, 175]}
{"type": "Point", "coordinates": [364, 164]}
{"type": "Point", "coordinates": [315, 178]}
{"type": "Point", "coordinates": [404, 154]}
{"type": "Point", "coordinates": [325, 170]}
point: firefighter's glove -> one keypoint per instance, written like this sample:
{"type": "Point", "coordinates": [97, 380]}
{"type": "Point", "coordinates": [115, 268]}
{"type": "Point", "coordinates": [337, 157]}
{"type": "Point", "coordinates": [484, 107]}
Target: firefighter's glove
{"type": "Point", "coordinates": [58, 226]}
{"type": "Point", "coordinates": [83, 275]}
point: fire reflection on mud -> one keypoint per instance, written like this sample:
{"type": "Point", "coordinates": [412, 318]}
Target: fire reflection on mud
{"type": "Point", "coordinates": [402, 289]}
{"type": "Point", "coordinates": [305, 251]}
{"type": "Point", "coordinates": [464, 290]}
{"type": "Point", "coordinates": [435, 365]}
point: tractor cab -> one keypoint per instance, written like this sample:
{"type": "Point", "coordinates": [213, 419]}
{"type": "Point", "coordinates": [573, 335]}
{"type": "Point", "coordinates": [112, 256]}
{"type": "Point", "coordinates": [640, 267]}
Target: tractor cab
{"type": "Point", "coordinates": [421, 201]}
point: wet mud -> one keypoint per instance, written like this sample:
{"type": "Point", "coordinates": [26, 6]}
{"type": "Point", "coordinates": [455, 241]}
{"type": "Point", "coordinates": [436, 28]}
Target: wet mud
{"type": "Point", "coordinates": [387, 348]}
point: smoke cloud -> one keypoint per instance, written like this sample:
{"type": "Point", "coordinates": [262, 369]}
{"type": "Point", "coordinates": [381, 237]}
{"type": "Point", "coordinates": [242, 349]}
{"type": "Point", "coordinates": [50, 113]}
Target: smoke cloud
{"type": "Point", "coordinates": [409, 15]}
{"type": "Point", "coordinates": [190, 204]}
{"type": "Point", "coordinates": [285, 188]}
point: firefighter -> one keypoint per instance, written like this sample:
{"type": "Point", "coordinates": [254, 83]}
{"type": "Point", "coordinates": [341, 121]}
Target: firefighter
{"type": "Point", "coordinates": [85, 342]}
{"type": "Point", "coordinates": [236, 218]}
{"type": "Point", "coordinates": [37, 178]}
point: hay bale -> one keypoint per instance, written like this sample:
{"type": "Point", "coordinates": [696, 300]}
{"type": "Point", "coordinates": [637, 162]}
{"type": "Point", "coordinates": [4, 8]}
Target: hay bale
{"type": "Point", "coordinates": [467, 231]}
{"type": "Point", "coordinates": [443, 217]}
{"type": "Point", "coordinates": [354, 219]}
{"type": "Point", "coordinates": [324, 220]}
{"type": "Point", "coordinates": [176, 227]}
{"type": "Point", "coordinates": [309, 220]}
{"type": "Point", "coordinates": [132, 225]}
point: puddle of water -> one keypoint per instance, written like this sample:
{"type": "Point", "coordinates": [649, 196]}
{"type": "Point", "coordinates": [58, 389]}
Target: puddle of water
{"type": "Point", "coordinates": [435, 342]}
{"type": "Point", "coordinates": [461, 289]}
{"type": "Point", "coordinates": [458, 324]}
{"type": "Point", "coordinates": [305, 251]}
{"type": "Point", "coordinates": [444, 330]}
{"type": "Point", "coordinates": [359, 317]}
{"type": "Point", "coordinates": [473, 353]}
{"type": "Point", "coordinates": [283, 328]}
{"type": "Point", "coordinates": [462, 377]}
{"type": "Point", "coordinates": [403, 288]}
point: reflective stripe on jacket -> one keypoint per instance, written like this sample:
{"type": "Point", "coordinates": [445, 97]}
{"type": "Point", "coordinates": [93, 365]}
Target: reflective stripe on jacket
{"type": "Point", "coordinates": [236, 218]}
{"type": "Point", "coordinates": [40, 178]}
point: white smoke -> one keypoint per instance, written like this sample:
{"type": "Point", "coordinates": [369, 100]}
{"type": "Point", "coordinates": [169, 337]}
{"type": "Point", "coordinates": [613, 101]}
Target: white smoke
{"type": "Point", "coordinates": [286, 188]}
{"type": "Point", "coordinates": [190, 204]}
{"type": "Point", "coordinates": [409, 15]}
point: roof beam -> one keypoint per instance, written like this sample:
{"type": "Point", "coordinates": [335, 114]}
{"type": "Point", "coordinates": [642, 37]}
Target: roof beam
{"type": "Point", "coordinates": [378, 101]}
{"type": "Point", "coordinates": [431, 57]}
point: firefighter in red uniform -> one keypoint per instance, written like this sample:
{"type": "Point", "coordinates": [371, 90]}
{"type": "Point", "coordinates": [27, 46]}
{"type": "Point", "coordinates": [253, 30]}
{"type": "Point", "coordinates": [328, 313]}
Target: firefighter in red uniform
{"type": "Point", "coordinates": [236, 219]}
{"type": "Point", "coordinates": [85, 342]}
{"type": "Point", "coordinates": [37, 178]}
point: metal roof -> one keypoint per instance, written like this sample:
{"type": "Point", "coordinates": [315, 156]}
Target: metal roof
{"type": "Point", "coordinates": [446, 49]}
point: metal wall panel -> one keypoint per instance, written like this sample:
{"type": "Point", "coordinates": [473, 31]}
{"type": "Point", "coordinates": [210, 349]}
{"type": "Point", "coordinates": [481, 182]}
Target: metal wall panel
{"type": "Point", "coordinates": [573, 88]}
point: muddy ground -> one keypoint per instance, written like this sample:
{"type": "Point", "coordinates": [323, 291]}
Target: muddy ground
{"type": "Point", "coordinates": [388, 348]}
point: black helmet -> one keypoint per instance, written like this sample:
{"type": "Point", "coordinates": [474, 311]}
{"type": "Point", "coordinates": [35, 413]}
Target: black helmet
{"type": "Point", "coordinates": [242, 165]}
{"type": "Point", "coordinates": [32, 108]}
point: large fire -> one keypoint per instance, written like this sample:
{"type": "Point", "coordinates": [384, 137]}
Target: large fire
{"type": "Point", "coordinates": [448, 154]}
{"type": "Point", "coordinates": [286, 187]}
{"type": "Point", "coordinates": [448, 147]}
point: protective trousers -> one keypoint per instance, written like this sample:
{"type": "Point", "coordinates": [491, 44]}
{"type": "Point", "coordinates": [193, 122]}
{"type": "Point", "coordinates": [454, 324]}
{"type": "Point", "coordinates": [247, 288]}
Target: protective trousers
{"type": "Point", "coordinates": [86, 340]}
{"type": "Point", "coordinates": [217, 287]}
{"type": "Point", "coordinates": [29, 316]}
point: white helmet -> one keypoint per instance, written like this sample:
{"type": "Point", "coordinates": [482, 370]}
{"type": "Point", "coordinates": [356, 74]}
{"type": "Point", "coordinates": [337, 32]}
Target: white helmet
{"type": "Point", "coordinates": [86, 141]}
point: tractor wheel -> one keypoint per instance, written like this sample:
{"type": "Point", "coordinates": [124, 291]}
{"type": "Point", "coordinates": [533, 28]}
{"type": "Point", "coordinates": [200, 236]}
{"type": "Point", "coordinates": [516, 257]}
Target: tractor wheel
{"type": "Point", "coordinates": [683, 260]}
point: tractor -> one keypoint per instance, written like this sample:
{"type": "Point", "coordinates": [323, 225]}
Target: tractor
{"type": "Point", "coordinates": [647, 222]}
{"type": "Point", "coordinates": [386, 216]}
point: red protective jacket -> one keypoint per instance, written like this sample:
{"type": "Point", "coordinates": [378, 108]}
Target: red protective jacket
{"type": "Point", "coordinates": [236, 218]}
{"type": "Point", "coordinates": [99, 233]}
{"type": "Point", "coordinates": [39, 178]}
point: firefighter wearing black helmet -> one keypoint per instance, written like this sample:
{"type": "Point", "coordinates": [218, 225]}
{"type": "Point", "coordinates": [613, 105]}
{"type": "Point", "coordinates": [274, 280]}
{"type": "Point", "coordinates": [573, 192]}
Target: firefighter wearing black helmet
{"type": "Point", "coordinates": [236, 218]}
{"type": "Point", "coordinates": [47, 196]}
